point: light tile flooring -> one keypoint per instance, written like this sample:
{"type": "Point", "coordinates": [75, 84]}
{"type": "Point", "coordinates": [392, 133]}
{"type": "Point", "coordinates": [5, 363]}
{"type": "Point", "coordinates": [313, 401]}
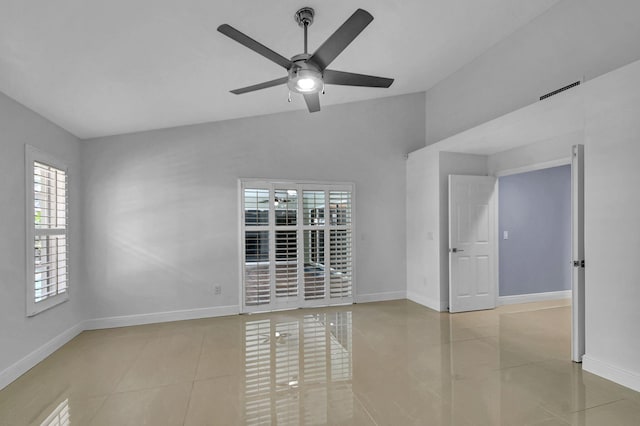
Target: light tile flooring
{"type": "Point", "coordinates": [390, 363]}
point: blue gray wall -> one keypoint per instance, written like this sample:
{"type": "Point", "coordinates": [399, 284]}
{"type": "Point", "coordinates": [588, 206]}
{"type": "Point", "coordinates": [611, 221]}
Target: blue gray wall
{"type": "Point", "coordinates": [535, 209]}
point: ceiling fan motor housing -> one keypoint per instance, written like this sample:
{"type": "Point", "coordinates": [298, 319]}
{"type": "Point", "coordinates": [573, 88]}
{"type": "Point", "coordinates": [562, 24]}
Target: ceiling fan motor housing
{"type": "Point", "coordinates": [304, 77]}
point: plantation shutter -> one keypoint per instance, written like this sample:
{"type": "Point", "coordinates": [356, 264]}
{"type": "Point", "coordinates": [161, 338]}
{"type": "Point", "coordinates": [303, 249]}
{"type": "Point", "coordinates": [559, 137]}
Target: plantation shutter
{"type": "Point", "coordinates": [314, 248]}
{"type": "Point", "coordinates": [296, 244]}
{"type": "Point", "coordinates": [340, 244]}
{"type": "Point", "coordinates": [47, 232]}
{"type": "Point", "coordinates": [257, 280]}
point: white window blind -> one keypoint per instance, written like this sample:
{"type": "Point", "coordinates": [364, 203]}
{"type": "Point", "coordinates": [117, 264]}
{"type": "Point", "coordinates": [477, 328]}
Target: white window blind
{"type": "Point", "coordinates": [47, 232]}
{"type": "Point", "coordinates": [297, 245]}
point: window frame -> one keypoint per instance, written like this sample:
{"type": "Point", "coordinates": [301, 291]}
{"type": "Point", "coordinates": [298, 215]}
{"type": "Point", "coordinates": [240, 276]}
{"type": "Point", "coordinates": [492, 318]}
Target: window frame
{"type": "Point", "coordinates": [32, 155]}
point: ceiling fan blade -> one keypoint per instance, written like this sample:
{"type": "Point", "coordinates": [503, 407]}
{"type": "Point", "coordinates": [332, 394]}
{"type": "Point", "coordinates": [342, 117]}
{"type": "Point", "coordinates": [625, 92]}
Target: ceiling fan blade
{"type": "Point", "coordinates": [266, 84]}
{"type": "Point", "coordinates": [339, 40]}
{"type": "Point", "coordinates": [313, 102]}
{"type": "Point", "coordinates": [351, 79]}
{"type": "Point", "coordinates": [247, 41]}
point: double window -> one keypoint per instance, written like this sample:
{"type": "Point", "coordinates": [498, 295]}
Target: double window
{"type": "Point", "coordinates": [296, 244]}
{"type": "Point", "coordinates": [47, 231]}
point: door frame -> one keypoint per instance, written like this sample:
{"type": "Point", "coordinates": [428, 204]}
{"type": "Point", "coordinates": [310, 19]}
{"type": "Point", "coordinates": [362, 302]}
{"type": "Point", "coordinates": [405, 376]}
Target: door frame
{"type": "Point", "coordinates": [577, 321]}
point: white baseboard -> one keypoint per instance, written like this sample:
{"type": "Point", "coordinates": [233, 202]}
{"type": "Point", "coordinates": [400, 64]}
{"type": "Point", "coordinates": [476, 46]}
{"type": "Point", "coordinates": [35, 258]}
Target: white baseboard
{"type": "Point", "coordinates": [534, 297]}
{"type": "Point", "coordinates": [436, 305]}
{"type": "Point", "coordinates": [156, 317]}
{"type": "Point", "coordinates": [23, 365]}
{"type": "Point", "coordinates": [619, 375]}
{"type": "Point", "coordinates": [380, 297]}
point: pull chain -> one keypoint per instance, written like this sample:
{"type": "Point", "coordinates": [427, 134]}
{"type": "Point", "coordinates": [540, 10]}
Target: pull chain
{"type": "Point", "coordinates": [289, 96]}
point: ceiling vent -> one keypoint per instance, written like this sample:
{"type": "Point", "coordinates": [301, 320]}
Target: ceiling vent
{"type": "Point", "coordinates": [562, 89]}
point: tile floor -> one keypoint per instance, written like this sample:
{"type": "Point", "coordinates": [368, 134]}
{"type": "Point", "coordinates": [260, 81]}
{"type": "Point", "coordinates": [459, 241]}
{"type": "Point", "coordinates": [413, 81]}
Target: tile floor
{"type": "Point", "coordinates": [389, 363]}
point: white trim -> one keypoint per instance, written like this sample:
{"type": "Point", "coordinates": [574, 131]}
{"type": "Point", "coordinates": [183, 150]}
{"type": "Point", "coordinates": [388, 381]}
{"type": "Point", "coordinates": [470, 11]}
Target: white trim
{"type": "Point", "coordinates": [158, 317]}
{"type": "Point", "coordinates": [380, 297]}
{"type": "Point", "coordinates": [495, 199]}
{"type": "Point", "coordinates": [533, 167]}
{"type": "Point", "coordinates": [23, 365]}
{"type": "Point", "coordinates": [534, 297]}
{"type": "Point", "coordinates": [578, 316]}
{"type": "Point", "coordinates": [240, 240]}
{"type": "Point", "coordinates": [436, 305]}
{"type": "Point", "coordinates": [619, 375]}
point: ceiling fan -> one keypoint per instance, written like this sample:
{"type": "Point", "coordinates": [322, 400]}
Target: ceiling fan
{"type": "Point", "coordinates": [308, 73]}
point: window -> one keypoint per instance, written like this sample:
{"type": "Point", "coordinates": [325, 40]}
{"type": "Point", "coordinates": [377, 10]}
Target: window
{"type": "Point", "coordinates": [47, 231]}
{"type": "Point", "coordinates": [296, 244]}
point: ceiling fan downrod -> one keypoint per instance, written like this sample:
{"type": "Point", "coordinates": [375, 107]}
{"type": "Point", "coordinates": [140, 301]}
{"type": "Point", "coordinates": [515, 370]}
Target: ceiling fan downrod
{"type": "Point", "coordinates": [304, 18]}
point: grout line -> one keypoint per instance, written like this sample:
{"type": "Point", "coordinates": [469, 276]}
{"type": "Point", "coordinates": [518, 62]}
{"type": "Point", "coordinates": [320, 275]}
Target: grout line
{"type": "Point", "coordinates": [148, 388]}
{"type": "Point", "coordinates": [195, 373]}
{"type": "Point", "coordinates": [104, 401]}
{"type": "Point", "coordinates": [365, 409]}
{"type": "Point", "coordinates": [193, 382]}
{"type": "Point", "coordinates": [597, 406]}
{"type": "Point", "coordinates": [184, 420]}
{"type": "Point", "coordinates": [221, 376]}
{"type": "Point", "coordinates": [133, 363]}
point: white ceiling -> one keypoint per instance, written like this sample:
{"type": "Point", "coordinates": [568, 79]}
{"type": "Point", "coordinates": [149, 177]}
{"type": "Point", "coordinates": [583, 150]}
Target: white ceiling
{"type": "Point", "coordinates": [100, 68]}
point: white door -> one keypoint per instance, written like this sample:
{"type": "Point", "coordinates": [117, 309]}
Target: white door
{"type": "Point", "coordinates": [472, 284]}
{"type": "Point", "coordinates": [577, 253]}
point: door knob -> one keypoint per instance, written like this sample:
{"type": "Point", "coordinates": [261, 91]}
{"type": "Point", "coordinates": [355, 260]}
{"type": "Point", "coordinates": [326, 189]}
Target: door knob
{"type": "Point", "coordinates": [455, 250]}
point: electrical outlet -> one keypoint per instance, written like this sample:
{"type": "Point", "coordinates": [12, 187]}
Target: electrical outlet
{"type": "Point", "coordinates": [217, 289]}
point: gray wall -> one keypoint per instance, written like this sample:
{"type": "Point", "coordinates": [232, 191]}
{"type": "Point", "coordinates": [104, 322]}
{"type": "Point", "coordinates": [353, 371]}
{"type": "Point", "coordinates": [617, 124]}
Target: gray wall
{"type": "Point", "coordinates": [573, 40]}
{"type": "Point", "coordinates": [423, 228]}
{"type": "Point", "coordinates": [161, 207]}
{"type": "Point", "coordinates": [535, 209]}
{"type": "Point", "coordinates": [20, 335]}
{"type": "Point", "coordinates": [612, 231]}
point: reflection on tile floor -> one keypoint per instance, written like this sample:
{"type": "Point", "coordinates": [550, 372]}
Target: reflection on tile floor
{"type": "Point", "coordinates": [388, 363]}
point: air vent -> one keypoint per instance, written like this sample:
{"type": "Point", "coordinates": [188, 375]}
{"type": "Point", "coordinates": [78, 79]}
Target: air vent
{"type": "Point", "coordinates": [562, 89]}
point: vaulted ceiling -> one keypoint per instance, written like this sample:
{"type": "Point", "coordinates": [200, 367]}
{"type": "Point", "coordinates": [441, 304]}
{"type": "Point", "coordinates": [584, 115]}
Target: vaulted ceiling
{"type": "Point", "coordinates": [100, 68]}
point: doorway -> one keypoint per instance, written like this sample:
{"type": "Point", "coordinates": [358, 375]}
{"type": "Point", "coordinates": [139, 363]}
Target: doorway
{"type": "Point", "coordinates": [460, 284]}
{"type": "Point", "coordinates": [534, 235]}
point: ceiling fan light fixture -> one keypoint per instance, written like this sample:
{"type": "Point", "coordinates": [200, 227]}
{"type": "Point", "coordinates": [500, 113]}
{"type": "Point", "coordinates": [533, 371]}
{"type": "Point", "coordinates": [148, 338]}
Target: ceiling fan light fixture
{"type": "Point", "coordinates": [305, 81]}
{"type": "Point", "coordinates": [306, 84]}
